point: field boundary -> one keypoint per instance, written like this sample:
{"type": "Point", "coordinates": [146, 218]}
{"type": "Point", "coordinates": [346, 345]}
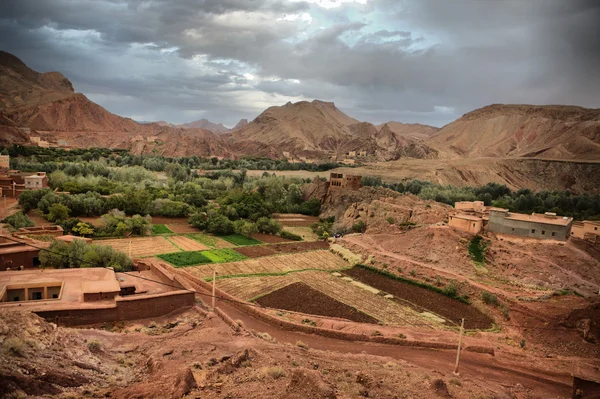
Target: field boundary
{"type": "Point", "coordinates": [274, 274]}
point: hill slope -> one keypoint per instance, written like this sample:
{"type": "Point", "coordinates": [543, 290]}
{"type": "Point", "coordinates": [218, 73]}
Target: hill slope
{"type": "Point", "coordinates": [552, 131]}
{"type": "Point", "coordinates": [319, 128]}
{"type": "Point", "coordinates": [47, 104]}
{"type": "Point", "coordinates": [204, 124]}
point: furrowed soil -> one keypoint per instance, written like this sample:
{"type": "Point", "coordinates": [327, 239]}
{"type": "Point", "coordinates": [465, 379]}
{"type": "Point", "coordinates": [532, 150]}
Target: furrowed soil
{"type": "Point", "coordinates": [422, 297]}
{"type": "Point", "coordinates": [269, 238]}
{"type": "Point", "coordinates": [292, 219]}
{"type": "Point", "coordinates": [299, 297]}
{"type": "Point", "coordinates": [281, 248]}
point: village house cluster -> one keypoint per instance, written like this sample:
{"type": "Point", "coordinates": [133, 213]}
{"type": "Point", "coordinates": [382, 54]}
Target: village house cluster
{"type": "Point", "coordinates": [14, 182]}
{"type": "Point", "coordinates": [473, 217]}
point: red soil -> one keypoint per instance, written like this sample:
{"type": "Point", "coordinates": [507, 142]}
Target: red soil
{"type": "Point", "coordinates": [257, 251]}
{"type": "Point", "coordinates": [269, 238]}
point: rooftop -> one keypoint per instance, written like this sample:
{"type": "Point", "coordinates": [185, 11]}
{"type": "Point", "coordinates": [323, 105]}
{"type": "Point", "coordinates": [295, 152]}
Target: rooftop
{"type": "Point", "coordinates": [537, 218]}
{"type": "Point", "coordinates": [592, 222]}
{"type": "Point", "coordinates": [467, 217]}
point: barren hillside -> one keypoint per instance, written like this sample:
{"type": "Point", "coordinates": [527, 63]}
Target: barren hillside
{"type": "Point", "coordinates": [319, 128]}
{"type": "Point", "coordinates": [204, 124]}
{"type": "Point", "coordinates": [552, 131]}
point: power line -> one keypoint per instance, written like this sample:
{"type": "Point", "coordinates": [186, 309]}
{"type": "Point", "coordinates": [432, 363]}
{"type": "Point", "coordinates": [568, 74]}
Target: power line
{"type": "Point", "coordinates": [132, 274]}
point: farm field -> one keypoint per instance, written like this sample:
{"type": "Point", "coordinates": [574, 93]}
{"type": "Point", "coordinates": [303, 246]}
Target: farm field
{"type": "Point", "coordinates": [269, 238]}
{"type": "Point", "coordinates": [160, 229]}
{"type": "Point", "coordinates": [295, 219]}
{"type": "Point", "coordinates": [223, 255]}
{"type": "Point", "coordinates": [239, 239]}
{"type": "Point", "coordinates": [282, 248]}
{"type": "Point", "coordinates": [299, 297]}
{"type": "Point", "coordinates": [322, 259]}
{"type": "Point", "coordinates": [210, 241]}
{"type": "Point", "coordinates": [140, 246]}
{"type": "Point", "coordinates": [187, 244]}
{"type": "Point", "coordinates": [305, 232]}
{"type": "Point", "coordinates": [385, 310]}
{"type": "Point", "coordinates": [424, 298]}
{"type": "Point", "coordinates": [187, 258]}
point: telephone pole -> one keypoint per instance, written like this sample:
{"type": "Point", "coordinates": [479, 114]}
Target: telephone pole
{"type": "Point", "coordinates": [213, 289]}
{"type": "Point", "coordinates": [462, 327]}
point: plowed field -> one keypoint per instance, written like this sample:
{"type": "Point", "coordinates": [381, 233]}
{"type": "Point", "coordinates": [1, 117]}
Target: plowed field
{"type": "Point", "coordinates": [187, 244]}
{"type": "Point", "coordinates": [299, 297]}
{"type": "Point", "coordinates": [140, 246]}
{"type": "Point", "coordinates": [281, 248]}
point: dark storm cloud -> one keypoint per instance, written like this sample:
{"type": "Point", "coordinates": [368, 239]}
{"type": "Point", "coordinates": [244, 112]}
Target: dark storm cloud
{"type": "Point", "coordinates": [414, 60]}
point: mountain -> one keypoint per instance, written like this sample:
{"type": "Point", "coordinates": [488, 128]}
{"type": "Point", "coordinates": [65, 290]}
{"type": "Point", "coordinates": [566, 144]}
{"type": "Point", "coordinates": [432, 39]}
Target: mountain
{"type": "Point", "coordinates": [242, 123]}
{"type": "Point", "coordinates": [45, 105]}
{"type": "Point", "coordinates": [205, 124]}
{"type": "Point", "coordinates": [411, 130]}
{"type": "Point", "coordinates": [319, 129]}
{"type": "Point", "coordinates": [549, 131]}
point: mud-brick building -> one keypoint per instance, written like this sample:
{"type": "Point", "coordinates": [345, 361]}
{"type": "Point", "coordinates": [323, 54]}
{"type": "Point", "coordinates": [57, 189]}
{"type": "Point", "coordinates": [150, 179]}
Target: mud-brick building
{"type": "Point", "coordinates": [4, 162]}
{"type": "Point", "coordinates": [467, 223]}
{"type": "Point", "coordinates": [15, 254]}
{"type": "Point", "coordinates": [588, 229]}
{"type": "Point", "coordinates": [546, 226]}
{"type": "Point", "coordinates": [36, 181]}
{"type": "Point", "coordinates": [342, 181]}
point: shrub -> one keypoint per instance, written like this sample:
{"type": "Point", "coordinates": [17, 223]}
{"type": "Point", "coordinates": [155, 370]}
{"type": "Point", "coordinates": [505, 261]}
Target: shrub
{"type": "Point", "coordinates": [168, 208]}
{"type": "Point", "coordinates": [244, 227]}
{"type": "Point", "coordinates": [489, 298]}
{"type": "Point", "coordinates": [477, 249]}
{"type": "Point", "coordinates": [451, 290]}
{"type": "Point", "coordinates": [274, 372]}
{"type": "Point", "coordinates": [390, 220]}
{"type": "Point", "coordinates": [94, 346]}
{"type": "Point", "coordinates": [268, 226]}
{"type": "Point", "coordinates": [290, 236]}
{"type": "Point", "coordinates": [522, 343]}
{"type": "Point", "coordinates": [301, 344]}
{"type": "Point", "coordinates": [83, 229]}
{"type": "Point", "coordinates": [359, 227]}
{"type": "Point", "coordinates": [18, 220]}
{"type": "Point", "coordinates": [14, 346]}
{"type": "Point", "coordinates": [79, 254]}
{"type": "Point", "coordinates": [412, 272]}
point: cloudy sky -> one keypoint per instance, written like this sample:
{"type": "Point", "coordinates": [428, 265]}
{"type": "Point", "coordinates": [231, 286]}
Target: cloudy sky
{"type": "Point", "coordinates": [426, 61]}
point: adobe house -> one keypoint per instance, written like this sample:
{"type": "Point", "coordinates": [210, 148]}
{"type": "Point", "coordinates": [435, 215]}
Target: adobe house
{"type": "Point", "coordinates": [53, 230]}
{"type": "Point", "coordinates": [470, 206]}
{"type": "Point", "coordinates": [589, 229]}
{"type": "Point", "coordinates": [4, 162]}
{"type": "Point", "coordinates": [342, 181]}
{"type": "Point", "coordinates": [467, 223]}
{"type": "Point", "coordinates": [15, 254]}
{"type": "Point", "coordinates": [37, 181]}
{"type": "Point", "coordinates": [546, 226]}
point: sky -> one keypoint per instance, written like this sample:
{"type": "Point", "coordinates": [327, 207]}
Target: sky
{"type": "Point", "coordinates": [425, 61]}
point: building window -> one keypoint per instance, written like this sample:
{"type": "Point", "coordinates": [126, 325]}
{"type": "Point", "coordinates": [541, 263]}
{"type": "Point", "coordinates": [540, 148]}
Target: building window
{"type": "Point", "coordinates": [543, 232]}
{"type": "Point", "coordinates": [532, 231]}
{"type": "Point", "coordinates": [513, 229]}
{"type": "Point", "coordinates": [595, 228]}
{"type": "Point", "coordinates": [553, 234]}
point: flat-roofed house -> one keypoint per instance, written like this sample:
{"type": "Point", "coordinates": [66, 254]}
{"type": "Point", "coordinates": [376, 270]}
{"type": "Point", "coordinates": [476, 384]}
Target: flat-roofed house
{"type": "Point", "coordinates": [36, 182]}
{"type": "Point", "coordinates": [546, 226]}
{"type": "Point", "coordinates": [467, 223]}
{"type": "Point", "coordinates": [586, 229]}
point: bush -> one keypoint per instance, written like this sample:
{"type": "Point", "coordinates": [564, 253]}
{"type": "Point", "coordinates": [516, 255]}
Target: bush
{"type": "Point", "coordinates": [391, 220]}
{"type": "Point", "coordinates": [115, 223]}
{"type": "Point", "coordinates": [83, 229]}
{"type": "Point", "coordinates": [168, 208]}
{"type": "Point", "coordinates": [290, 236]}
{"type": "Point", "coordinates": [489, 298]}
{"type": "Point", "coordinates": [268, 226]}
{"type": "Point", "coordinates": [14, 346]}
{"type": "Point", "coordinates": [301, 344]}
{"type": "Point", "coordinates": [359, 227]}
{"type": "Point", "coordinates": [477, 249]}
{"type": "Point", "coordinates": [18, 220]}
{"type": "Point", "coordinates": [273, 372]}
{"type": "Point", "coordinates": [94, 346]}
{"type": "Point", "coordinates": [244, 227]}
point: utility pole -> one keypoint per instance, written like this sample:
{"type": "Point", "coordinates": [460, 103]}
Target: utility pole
{"type": "Point", "coordinates": [130, 248]}
{"type": "Point", "coordinates": [213, 291]}
{"type": "Point", "coordinates": [462, 326]}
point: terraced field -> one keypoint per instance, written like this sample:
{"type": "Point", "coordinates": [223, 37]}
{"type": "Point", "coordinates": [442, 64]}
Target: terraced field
{"type": "Point", "coordinates": [321, 259]}
{"type": "Point", "coordinates": [385, 310]}
{"type": "Point", "coordinates": [140, 246]}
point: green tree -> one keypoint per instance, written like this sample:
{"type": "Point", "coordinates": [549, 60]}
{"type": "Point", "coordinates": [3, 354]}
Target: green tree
{"type": "Point", "coordinates": [268, 226]}
{"type": "Point", "coordinates": [83, 229]}
{"type": "Point", "coordinates": [58, 213]}
{"type": "Point", "coordinates": [18, 220]}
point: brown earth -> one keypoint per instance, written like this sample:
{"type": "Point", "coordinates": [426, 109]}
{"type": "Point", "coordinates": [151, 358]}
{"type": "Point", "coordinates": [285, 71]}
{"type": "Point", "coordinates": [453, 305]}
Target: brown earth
{"type": "Point", "coordinates": [299, 297]}
{"type": "Point", "coordinates": [449, 308]}
{"type": "Point", "coordinates": [269, 238]}
{"type": "Point", "coordinates": [255, 251]}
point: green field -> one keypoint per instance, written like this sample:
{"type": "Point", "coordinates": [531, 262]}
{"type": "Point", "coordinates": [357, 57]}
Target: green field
{"type": "Point", "coordinates": [187, 258]}
{"type": "Point", "coordinates": [223, 255]}
{"type": "Point", "coordinates": [240, 240]}
{"type": "Point", "coordinates": [207, 240]}
{"type": "Point", "coordinates": [160, 229]}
